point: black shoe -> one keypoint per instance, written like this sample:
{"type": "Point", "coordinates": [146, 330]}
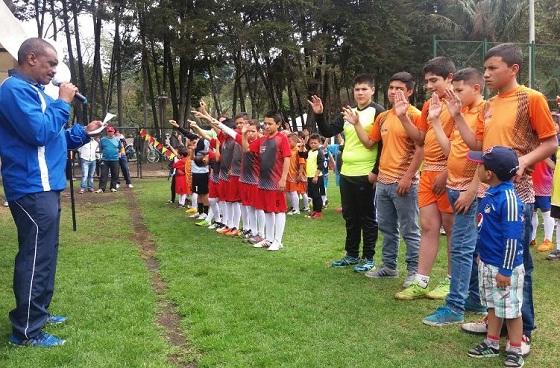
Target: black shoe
{"type": "Point", "coordinates": [513, 360]}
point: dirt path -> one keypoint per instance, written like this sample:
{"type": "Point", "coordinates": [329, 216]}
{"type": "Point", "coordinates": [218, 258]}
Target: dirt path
{"type": "Point", "coordinates": [167, 316]}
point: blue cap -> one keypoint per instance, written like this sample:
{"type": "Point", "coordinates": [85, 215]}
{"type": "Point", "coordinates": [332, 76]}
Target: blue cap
{"type": "Point", "coordinates": [501, 160]}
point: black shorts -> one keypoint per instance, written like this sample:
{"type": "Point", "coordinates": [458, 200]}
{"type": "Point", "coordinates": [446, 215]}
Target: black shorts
{"type": "Point", "coordinates": [200, 183]}
{"type": "Point", "coordinates": [555, 212]}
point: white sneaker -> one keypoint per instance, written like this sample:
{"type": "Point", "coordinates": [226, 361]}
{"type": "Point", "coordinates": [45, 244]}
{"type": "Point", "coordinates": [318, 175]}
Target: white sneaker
{"type": "Point", "coordinates": [113, 190]}
{"type": "Point", "coordinates": [118, 186]}
{"type": "Point", "coordinates": [130, 186]}
{"type": "Point", "coordinates": [293, 211]}
{"type": "Point", "coordinates": [202, 216]}
{"type": "Point", "coordinates": [194, 215]}
{"type": "Point", "coordinates": [275, 246]}
{"type": "Point", "coordinates": [212, 226]}
{"type": "Point", "coordinates": [99, 191]}
{"type": "Point", "coordinates": [476, 328]}
{"type": "Point", "coordinates": [262, 244]}
{"type": "Point", "coordinates": [6, 204]}
{"type": "Point", "coordinates": [525, 346]}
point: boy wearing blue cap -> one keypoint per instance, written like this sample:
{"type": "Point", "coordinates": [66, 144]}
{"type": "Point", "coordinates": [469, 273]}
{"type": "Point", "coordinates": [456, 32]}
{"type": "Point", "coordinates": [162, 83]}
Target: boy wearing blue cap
{"type": "Point", "coordinates": [500, 244]}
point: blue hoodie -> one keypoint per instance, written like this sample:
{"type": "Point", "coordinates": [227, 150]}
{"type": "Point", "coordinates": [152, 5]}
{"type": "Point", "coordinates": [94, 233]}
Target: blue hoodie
{"type": "Point", "coordinates": [33, 141]}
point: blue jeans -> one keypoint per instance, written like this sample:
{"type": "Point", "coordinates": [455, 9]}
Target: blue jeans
{"type": "Point", "coordinates": [463, 245]}
{"type": "Point", "coordinates": [398, 215]}
{"type": "Point", "coordinates": [527, 309]}
{"type": "Point", "coordinates": [88, 170]}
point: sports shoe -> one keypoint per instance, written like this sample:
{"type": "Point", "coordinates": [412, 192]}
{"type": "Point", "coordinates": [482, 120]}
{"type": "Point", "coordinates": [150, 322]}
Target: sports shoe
{"type": "Point", "coordinates": [99, 191]}
{"type": "Point", "coordinates": [275, 246]}
{"type": "Point", "coordinates": [345, 261]}
{"type": "Point", "coordinates": [202, 223]}
{"type": "Point", "coordinates": [545, 246]}
{"type": "Point", "coordinates": [262, 244]}
{"type": "Point", "coordinates": [223, 230]}
{"type": "Point", "coordinates": [82, 191]}
{"type": "Point", "coordinates": [525, 346]}
{"type": "Point", "coordinates": [194, 215]}
{"type": "Point", "coordinates": [414, 291]}
{"type": "Point", "coordinates": [483, 350]}
{"type": "Point", "coordinates": [113, 190]}
{"type": "Point", "coordinates": [232, 232]}
{"type": "Point", "coordinates": [191, 210]}
{"type": "Point", "coordinates": [310, 215]}
{"type": "Point", "coordinates": [514, 359]}
{"type": "Point", "coordinates": [316, 216]}
{"type": "Point", "coordinates": [118, 185]}
{"type": "Point", "coordinates": [440, 292]}
{"type": "Point", "coordinates": [130, 186]}
{"type": "Point", "coordinates": [213, 226]}
{"type": "Point", "coordinates": [365, 265]}
{"type": "Point", "coordinates": [382, 273]}
{"type": "Point", "coordinates": [409, 279]}
{"type": "Point", "coordinates": [306, 209]}
{"type": "Point", "coordinates": [255, 239]}
{"type": "Point", "coordinates": [443, 316]}
{"type": "Point", "coordinates": [554, 255]}
{"type": "Point", "coordinates": [42, 340]}
{"type": "Point", "coordinates": [533, 243]}
{"type": "Point", "coordinates": [56, 320]}
{"type": "Point", "coordinates": [292, 212]}
{"type": "Point", "coordinates": [6, 204]}
{"type": "Point", "coordinates": [476, 328]}
{"type": "Point", "coordinates": [202, 216]}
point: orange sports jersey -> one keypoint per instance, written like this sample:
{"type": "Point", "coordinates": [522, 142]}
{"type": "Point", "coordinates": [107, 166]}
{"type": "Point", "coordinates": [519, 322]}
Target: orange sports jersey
{"type": "Point", "coordinates": [398, 148]}
{"type": "Point", "coordinates": [434, 158]}
{"type": "Point", "coordinates": [295, 165]}
{"type": "Point", "coordinates": [519, 119]}
{"type": "Point", "coordinates": [460, 170]}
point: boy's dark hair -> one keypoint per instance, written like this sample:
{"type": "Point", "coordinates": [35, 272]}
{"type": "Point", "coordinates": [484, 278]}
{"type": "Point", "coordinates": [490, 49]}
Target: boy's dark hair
{"type": "Point", "coordinates": [183, 151]}
{"type": "Point", "coordinates": [404, 77]}
{"type": "Point", "coordinates": [441, 66]}
{"type": "Point", "coordinates": [510, 53]}
{"type": "Point", "coordinates": [230, 123]}
{"type": "Point", "coordinates": [276, 116]}
{"type": "Point", "coordinates": [293, 136]}
{"type": "Point", "coordinates": [470, 76]}
{"type": "Point", "coordinates": [241, 115]}
{"type": "Point", "coordinates": [254, 123]}
{"type": "Point", "coordinates": [315, 136]}
{"type": "Point", "coordinates": [301, 134]}
{"type": "Point", "coordinates": [364, 79]}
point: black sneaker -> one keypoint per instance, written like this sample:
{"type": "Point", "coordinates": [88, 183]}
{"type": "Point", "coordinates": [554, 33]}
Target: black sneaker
{"type": "Point", "coordinates": [483, 350]}
{"type": "Point", "coordinates": [513, 360]}
{"type": "Point", "coordinates": [554, 255]}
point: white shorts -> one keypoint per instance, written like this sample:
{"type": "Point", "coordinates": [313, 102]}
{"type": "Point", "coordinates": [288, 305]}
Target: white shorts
{"type": "Point", "coordinates": [506, 302]}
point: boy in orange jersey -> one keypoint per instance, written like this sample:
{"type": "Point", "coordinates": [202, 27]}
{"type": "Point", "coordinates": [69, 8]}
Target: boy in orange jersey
{"type": "Point", "coordinates": [435, 209]}
{"type": "Point", "coordinates": [297, 169]}
{"type": "Point", "coordinates": [397, 182]}
{"type": "Point", "coordinates": [517, 117]}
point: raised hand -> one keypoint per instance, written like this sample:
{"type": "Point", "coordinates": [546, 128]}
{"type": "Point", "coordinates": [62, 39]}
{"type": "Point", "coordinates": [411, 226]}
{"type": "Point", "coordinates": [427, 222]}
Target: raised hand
{"type": "Point", "coordinates": [174, 123]}
{"type": "Point", "coordinates": [558, 100]}
{"type": "Point", "coordinates": [350, 115]}
{"type": "Point", "coordinates": [202, 115]}
{"type": "Point", "coordinates": [95, 127]}
{"type": "Point", "coordinates": [316, 104]}
{"type": "Point", "coordinates": [453, 102]}
{"type": "Point", "coordinates": [435, 107]}
{"type": "Point", "coordinates": [192, 123]}
{"type": "Point", "coordinates": [401, 103]}
{"type": "Point", "coordinates": [203, 106]}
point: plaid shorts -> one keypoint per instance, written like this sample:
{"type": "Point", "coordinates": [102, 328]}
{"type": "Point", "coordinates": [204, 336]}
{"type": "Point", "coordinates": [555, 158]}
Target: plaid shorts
{"type": "Point", "coordinates": [506, 302]}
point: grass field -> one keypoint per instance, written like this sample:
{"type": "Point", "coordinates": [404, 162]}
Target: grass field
{"type": "Point", "coordinates": [240, 306]}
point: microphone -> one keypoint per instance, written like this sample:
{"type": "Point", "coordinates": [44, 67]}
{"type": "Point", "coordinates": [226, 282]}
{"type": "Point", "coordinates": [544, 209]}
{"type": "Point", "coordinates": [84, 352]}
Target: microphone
{"type": "Point", "coordinates": [78, 96]}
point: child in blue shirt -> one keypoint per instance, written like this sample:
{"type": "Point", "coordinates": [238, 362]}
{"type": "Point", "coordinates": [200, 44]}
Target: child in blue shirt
{"type": "Point", "coordinates": [500, 245]}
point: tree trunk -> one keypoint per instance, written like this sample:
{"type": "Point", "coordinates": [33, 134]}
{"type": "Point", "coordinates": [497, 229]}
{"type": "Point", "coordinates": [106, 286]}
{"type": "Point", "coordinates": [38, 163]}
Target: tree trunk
{"type": "Point", "coordinates": [167, 59]}
{"type": "Point", "coordinates": [53, 15]}
{"type": "Point", "coordinates": [146, 67]}
{"type": "Point", "coordinates": [155, 64]}
{"type": "Point", "coordinates": [215, 96]}
{"type": "Point", "coordinates": [81, 72]}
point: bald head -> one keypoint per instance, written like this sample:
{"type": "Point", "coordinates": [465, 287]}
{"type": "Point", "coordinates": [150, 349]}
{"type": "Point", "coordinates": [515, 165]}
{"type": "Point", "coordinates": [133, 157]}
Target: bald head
{"type": "Point", "coordinates": [33, 46]}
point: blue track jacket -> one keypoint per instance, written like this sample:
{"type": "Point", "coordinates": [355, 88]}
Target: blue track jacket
{"type": "Point", "coordinates": [33, 141]}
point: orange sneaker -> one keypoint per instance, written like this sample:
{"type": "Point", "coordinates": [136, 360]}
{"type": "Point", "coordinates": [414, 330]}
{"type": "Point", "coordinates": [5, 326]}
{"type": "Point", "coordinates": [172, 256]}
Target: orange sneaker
{"type": "Point", "coordinates": [223, 230]}
{"type": "Point", "coordinates": [545, 246]}
{"type": "Point", "coordinates": [232, 232]}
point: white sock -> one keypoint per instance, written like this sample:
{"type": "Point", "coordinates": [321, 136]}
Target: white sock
{"type": "Point", "coordinates": [324, 198]}
{"type": "Point", "coordinates": [215, 209]}
{"type": "Point", "coordinates": [244, 219]}
{"type": "Point", "coordinates": [422, 280]}
{"type": "Point", "coordinates": [535, 224]}
{"type": "Point", "coordinates": [557, 234]}
{"type": "Point", "coordinates": [295, 201]}
{"type": "Point", "coordinates": [251, 220]}
{"type": "Point", "coordinates": [182, 199]}
{"type": "Point", "coordinates": [224, 212]}
{"type": "Point", "coordinates": [305, 199]}
{"type": "Point", "coordinates": [194, 200]}
{"type": "Point", "coordinates": [236, 215]}
{"type": "Point", "coordinates": [210, 215]}
{"type": "Point", "coordinates": [279, 224]}
{"type": "Point", "coordinates": [269, 226]}
{"type": "Point", "coordinates": [260, 222]}
{"type": "Point", "coordinates": [548, 223]}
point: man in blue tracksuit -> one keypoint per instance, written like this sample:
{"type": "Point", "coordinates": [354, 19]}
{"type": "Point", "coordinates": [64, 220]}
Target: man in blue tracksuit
{"type": "Point", "coordinates": [33, 149]}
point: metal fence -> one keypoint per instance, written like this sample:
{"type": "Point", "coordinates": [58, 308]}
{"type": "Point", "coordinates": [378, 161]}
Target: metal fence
{"type": "Point", "coordinates": [545, 65]}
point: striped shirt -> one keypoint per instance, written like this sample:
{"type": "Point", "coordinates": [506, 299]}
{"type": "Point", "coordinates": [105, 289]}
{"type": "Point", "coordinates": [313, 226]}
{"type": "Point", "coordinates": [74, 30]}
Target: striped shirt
{"type": "Point", "coordinates": [500, 228]}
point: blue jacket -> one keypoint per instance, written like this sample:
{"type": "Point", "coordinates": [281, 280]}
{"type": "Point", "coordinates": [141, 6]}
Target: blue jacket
{"type": "Point", "coordinates": [33, 141]}
{"type": "Point", "coordinates": [500, 228]}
